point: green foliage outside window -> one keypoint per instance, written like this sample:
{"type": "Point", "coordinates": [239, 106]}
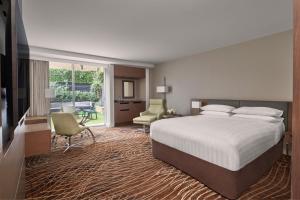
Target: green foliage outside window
{"type": "Point", "coordinates": [65, 75]}
{"type": "Point", "coordinates": [65, 95]}
{"type": "Point", "coordinates": [60, 78]}
{"type": "Point", "coordinates": [97, 85]}
{"type": "Point", "coordinates": [60, 75]}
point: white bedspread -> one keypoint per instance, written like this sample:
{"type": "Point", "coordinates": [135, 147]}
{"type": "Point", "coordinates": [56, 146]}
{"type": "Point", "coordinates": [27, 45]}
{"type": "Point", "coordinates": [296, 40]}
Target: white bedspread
{"type": "Point", "coordinates": [228, 142]}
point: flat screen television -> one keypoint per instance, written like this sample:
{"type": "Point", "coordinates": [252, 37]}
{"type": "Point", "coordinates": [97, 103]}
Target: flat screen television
{"type": "Point", "coordinates": [7, 119]}
{"type": "Point", "coordinates": [22, 66]}
{"type": "Point", "coordinates": [14, 55]}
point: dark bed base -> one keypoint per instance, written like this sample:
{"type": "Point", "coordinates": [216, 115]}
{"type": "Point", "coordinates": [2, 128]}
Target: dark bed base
{"type": "Point", "coordinates": [230, 184]}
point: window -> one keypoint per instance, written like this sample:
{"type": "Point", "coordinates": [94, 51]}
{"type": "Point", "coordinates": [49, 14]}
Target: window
{"type": "Point", "coordinates": [78, 89]}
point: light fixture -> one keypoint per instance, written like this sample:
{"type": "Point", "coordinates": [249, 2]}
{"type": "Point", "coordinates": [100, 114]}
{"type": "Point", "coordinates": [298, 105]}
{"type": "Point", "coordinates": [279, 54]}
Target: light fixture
{"type": "Point", "coordinates": [196, 104]}
{"type": "Point", "coordinates": [161, 89]}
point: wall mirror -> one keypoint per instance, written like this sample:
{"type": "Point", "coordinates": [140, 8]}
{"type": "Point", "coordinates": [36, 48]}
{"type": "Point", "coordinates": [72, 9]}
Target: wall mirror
{"type": "Point", "coordinates": [127, 89]}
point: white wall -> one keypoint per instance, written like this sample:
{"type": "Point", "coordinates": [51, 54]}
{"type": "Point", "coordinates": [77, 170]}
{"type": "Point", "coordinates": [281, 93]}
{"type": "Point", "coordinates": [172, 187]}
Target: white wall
{"type": "Point", "coordinates": [260, 69]}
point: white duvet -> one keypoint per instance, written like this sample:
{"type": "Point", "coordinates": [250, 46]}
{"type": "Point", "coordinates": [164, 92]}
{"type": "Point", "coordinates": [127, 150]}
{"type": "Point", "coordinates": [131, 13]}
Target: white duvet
{"type": "Point", "coordinates": [228, 142]}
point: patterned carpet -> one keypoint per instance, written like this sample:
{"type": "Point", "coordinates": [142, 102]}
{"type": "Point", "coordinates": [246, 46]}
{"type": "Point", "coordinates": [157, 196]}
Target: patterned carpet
{"type": "Point", "coordinates": [120, 166]}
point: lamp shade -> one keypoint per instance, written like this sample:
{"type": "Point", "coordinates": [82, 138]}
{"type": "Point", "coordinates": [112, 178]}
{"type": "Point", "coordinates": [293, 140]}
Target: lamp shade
{"type": "Point", "coordinates": [161, 89]}
{"type": "Point", "coordinates": [49, 93]}
{"type": "Point", "coordinates": [196, 104]}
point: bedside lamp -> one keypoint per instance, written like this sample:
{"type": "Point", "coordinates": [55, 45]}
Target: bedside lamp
{"type": "Point", "coordinates": [161, 89]}
{"type": "Point", "coordinates": [195, 107]}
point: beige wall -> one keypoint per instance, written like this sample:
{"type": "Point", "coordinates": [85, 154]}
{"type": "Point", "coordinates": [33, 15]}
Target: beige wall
{"type": "Point", "coordinates": [139, 88]}
{"type": "Point", "coordinates": [260, 69]}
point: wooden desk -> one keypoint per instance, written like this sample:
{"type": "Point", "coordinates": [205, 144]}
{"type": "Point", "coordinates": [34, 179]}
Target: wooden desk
{"type": "Point", "coordinates": [37, 139]}
{"type": "Point", "coordinates": [36, 120]}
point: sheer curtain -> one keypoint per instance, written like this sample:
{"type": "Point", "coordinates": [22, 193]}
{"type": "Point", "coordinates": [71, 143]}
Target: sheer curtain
{"type": "Point", "coordinates": [39, 73]}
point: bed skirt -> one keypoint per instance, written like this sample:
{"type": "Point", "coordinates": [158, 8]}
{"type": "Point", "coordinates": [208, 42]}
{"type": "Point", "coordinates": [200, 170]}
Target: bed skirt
{"type": "Point", "coordinates": [230, 184]}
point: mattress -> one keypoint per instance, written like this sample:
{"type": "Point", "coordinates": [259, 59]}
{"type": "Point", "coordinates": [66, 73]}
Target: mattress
{"type": "Point", "coordinates": [228, 142]}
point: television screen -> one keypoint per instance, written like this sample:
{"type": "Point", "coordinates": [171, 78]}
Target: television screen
{"type": "Point", "coordinates": [23, 66]}
{"type": "Point", "coordinates": [7, 118]}
{"type": "Point", "coordinates": [14, 57]}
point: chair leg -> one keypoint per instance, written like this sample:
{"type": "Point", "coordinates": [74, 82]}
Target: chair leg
{"type": "Point", "coordinates": [146, 128]}
{"type": "Point", "coordinates": [68, 147]}
{"type": "Point", "coordinates": [89, 130]}
{"type": "Point", "coordinates": [87, 133]}
{"type": "Point", "coordinates": [53, 138]}
{"type": "Point", "coordinates": [68, 144]}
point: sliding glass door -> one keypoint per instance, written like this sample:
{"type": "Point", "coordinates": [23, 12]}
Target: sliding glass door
{"type": "Point", "coordinates": [88, 95]}
{"type": "Point", "coordinates": [78, 89]}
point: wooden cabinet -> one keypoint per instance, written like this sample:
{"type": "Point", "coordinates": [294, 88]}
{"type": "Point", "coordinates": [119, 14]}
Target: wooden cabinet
{"type": "Point", "coordinates": [37, 137]}
{"type": "Point", "coordinates": [35, 120]}
{"type": "Point", "coordinates": [122, 112]}
{"type": "Point", "coordinates": [125, 111]}
{"type": "Point", "coordinates": [137, 108]}
{"type": "Point", "coordinates": [129, 72]}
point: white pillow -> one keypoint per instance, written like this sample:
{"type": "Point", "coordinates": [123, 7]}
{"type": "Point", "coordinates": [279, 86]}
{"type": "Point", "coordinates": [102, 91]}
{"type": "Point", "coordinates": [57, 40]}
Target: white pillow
{"type": "Point", "coordinates": [260, 117]}
{"type": "Point", "coordinates": [218, 108]}
{"type": "Point", "coordinates": [215, 113]}
{"type": "Point", "coordinates": [259, 111]}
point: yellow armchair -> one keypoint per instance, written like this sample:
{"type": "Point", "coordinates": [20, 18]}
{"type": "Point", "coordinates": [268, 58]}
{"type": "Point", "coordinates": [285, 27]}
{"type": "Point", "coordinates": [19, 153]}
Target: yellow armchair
{"type": "Point", "coordinates": [66, 125]}
{"type": "Point", "coordinates": [156, 110]}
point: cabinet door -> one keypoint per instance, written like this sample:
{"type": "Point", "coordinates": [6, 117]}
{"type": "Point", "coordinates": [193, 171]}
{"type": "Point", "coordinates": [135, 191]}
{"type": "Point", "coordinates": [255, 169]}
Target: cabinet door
{"type": "Point", "coordinates": [129, 72]}
{"type": "Point", "coordinates": [137, 108]}
{"type": "Point", "coordinates": [122, 113]}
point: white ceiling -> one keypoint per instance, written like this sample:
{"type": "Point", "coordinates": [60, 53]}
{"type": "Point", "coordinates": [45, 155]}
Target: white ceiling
{"type": "Point", "coordinates": [151, 31]}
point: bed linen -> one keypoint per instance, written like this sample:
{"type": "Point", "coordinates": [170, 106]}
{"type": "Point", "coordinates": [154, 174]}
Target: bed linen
{"type": "Point", "coordinates": [228, 142]}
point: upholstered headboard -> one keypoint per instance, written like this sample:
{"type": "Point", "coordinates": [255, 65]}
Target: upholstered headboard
{"type": "Point", "coordinates": [234, 103]}
{"type": "Point", "coordinates": [285, 106]}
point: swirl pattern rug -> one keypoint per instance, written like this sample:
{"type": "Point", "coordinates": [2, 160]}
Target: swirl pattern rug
{"type": "Point", "coordinates": [120, 166]}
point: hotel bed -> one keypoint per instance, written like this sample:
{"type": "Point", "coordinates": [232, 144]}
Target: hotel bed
{"type": "Point", "coordinates": [227, 154]}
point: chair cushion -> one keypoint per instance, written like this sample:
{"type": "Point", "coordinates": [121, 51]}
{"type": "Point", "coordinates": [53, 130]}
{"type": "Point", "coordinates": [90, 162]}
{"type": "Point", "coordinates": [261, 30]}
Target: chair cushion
{"type": "Point", "coordinates": [145, 118]}
{"type": "Point", "coordinates": [65, 124]}
{"type": "Point", "coordinates": [157, 106]}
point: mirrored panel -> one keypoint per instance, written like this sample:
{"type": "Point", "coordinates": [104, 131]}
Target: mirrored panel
{"type": "Point", "coordinates": [128, 89]}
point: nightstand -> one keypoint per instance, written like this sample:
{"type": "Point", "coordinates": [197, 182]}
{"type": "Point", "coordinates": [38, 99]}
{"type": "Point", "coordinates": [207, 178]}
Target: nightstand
{"type": "Point", "coordinates": [287, 141]}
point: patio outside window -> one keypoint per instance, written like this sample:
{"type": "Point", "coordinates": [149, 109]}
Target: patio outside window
{"type": "Point", "coordinates": [78, 87]}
